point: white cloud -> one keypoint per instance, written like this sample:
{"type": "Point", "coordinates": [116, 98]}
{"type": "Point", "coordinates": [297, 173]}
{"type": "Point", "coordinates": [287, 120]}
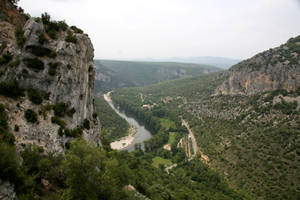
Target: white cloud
{"type": "Point", "coordinates": [165, 28]}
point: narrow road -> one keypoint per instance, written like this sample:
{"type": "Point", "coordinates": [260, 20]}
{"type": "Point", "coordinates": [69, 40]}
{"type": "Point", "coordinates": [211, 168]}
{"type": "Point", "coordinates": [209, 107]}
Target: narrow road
{"type": "Point", "coordinates": [192, 136]}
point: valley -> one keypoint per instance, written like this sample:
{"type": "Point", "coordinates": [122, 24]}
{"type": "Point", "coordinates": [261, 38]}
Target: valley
{"type": "Point", "coordinates": [73, 127]}
{"type": "Point", "coordinates": [243, 130]}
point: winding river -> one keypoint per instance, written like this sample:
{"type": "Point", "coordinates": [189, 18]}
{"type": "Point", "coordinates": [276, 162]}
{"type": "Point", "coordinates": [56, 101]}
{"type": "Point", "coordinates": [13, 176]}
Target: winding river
{"type": "Point", "coordinates": [141, 135]}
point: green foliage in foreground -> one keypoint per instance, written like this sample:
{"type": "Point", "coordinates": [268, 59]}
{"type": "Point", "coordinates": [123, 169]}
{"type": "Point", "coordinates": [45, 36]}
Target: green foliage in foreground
{"type": "Point", "coordinates": [87, 172]}
{"type": "Point", "coordinates": [115, 126]}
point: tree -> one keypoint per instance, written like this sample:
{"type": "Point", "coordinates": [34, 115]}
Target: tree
{"type": "Point", "coordinates": [83, 165]}
{"type": "Point", "coordinates": [15, 2]}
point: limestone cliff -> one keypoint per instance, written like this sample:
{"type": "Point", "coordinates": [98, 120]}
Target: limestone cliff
{"type": "Point", "coordinates": [54, 61]}
{"type": "Point", "coordinates": [275, 69]}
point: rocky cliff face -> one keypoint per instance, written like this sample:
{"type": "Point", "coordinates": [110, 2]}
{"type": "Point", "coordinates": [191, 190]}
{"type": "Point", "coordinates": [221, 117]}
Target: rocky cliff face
{"type": "Point", "coordinates": [275, 69]}
{"type": "Point", "coordinates": [55, 61]}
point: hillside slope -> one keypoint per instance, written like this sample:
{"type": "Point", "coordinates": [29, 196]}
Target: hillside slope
{"type": "Point", "coordinates": [246, 125]}
{"type": "Point", "coordinates": [118, 74]}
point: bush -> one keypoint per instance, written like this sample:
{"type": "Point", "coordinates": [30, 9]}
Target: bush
{"type": "Point", "coordinates": [52, 27]}
{"type": "Point", "coordinates": [62, 25]}
{"type": "Point", "coordinates": [52, 68]}
{"type": "Point", "coordinates": [58, 121]}
{"type": "Point", "coordinates": [16, 63]}
{"type": "Point", "coordinates": [5, 58]}
{"type": "Point", "coordinates": [77, 132]}
{"type": "Point", "coordinates": [11, 89]}
{"type": "Point", "coordinates": [34, 63]}
{"type": "Point", "coordinates": [8, 163]}
{"type": "Point", "coordinates": [35, 96]}
{"type": "Point", "coordinates": [5, 136]}
{"type": "Point", "coordinates": [60, 109]}
{"type": "Point", "coordinates": [31, 116]}
{"type": "Point", "coordinates": [42, 38]}
{"type": "Point", "coordinates": [17, 128]}
{"type": "Point", "coordinates": [70, 37]}
{"type": "Point", "coordinates": [71, 112]}
{"type": "Point", "coordinates": [19, 34]}
{"type": "Point", "coordinates": [86, 124]}
{"type": "Point", "coordinates": [76, 30]}
{"type": "Point", "coordinates": [40, 51]}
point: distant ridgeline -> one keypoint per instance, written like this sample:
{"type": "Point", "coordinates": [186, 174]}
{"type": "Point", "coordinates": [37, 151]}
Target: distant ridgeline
{"type": "Point", "coordinates": [119, 74]}
{"type": "Point", "coordinates": [246, 120]}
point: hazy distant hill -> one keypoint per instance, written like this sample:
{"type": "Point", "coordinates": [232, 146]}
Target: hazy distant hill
{"type": "Point", "coordinates": [118, 74]}
{"type": "Point", "coordinates": [220, 62]}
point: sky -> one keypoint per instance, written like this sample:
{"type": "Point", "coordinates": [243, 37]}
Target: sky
{"type": "Point", "coordinates": [138, 29]}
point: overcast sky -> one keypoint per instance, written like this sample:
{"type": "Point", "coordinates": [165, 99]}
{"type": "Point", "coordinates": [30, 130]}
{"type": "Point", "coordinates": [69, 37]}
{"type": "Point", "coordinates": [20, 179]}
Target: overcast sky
{"type": "Point", "coordinates": [168, 28]}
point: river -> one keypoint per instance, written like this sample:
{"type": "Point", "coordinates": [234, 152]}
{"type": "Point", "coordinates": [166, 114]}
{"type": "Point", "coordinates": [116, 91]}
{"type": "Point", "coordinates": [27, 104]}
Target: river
{"type": "Point", "coordinates": [141, 135]}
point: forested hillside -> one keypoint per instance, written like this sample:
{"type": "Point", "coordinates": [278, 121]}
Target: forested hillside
{"type": "Point", "coordinates": [118, 74]}
{"type": "Point", "coordinates": [252, 139]}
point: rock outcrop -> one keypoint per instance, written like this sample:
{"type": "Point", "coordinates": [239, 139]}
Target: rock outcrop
{"type": "Point", "coordinates": [55, 60]}
{"type": "Point", "coordinates": [6, 191]}
{"type": "Point", "coordinates": [275, 69]}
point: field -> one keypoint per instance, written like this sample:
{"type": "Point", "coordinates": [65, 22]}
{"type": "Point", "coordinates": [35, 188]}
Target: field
{"type": "Point", "coordinates": [160, 161]}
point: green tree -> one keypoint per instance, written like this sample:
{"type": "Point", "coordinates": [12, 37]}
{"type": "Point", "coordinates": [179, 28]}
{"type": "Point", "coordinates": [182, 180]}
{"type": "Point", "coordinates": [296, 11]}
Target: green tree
{"type": "Point", "coordinates": [83, 166]}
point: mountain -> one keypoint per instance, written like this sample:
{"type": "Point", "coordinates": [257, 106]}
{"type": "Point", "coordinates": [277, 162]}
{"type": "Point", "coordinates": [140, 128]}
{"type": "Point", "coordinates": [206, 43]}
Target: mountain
{"type": "Point", "coordinates": [220, 62]}
{"type": "Point", "coordinates": [117, 74]}
{"type": "Point", "coordinates": [245, 120]}
{"type": "Point", "coordinates": [50, 141]}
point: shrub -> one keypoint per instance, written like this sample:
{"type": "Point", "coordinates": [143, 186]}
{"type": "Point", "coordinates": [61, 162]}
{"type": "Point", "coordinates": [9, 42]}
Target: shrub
{"type": "Point", "coordinates": [11, 89]}
{"type": "Point", "coordinates": [58, 121]}
{"type": "Point", "coordinates": [77, 132]}
{"type": "Point", "coordinates": [34, 63]}
{"type": "Point", "coordinates": [16, 128]}
{"type": "Point", "coordinates": [16, 63]}
{"type": "Point", "coordinates": [52, 27]}
{"type": "Point", "coordinates": [70, 37]}
{"type": "Point", "coordinates": [45, 18]}
{"type": "Point", "coordinates": [62, 25]}
{"type": "Point", "coordinates": [40, 51]}
{"type": "Point", "coordinates": [5, 58]}
{"type": "Point", "coordinates": [8, 163]}
{"type": "Point", "coordinates": [95, 115]}
{"type": "Point", "coordinates": [71, 112]}
{"type": "Point", "coordinates": [35, 96]}
{"type": "Point", "coordinates": [76, 30]}
{"type": "Point", "coordinates": [24, 71]}
{"type": "Point", "coordinates": [52, 68]}
{"type": "Point", "coordinates": [60, 109]}
{"type": "Point", "coordinates": [3, 119]}
{"type": "Point", "coordinates": [31, 116]}
{"type": "Point", "coordinates": [86, 124]}
{"type": "Point", "coordinates": [43, 39]}
{"type": "Point", "coordinates": [19, 34]}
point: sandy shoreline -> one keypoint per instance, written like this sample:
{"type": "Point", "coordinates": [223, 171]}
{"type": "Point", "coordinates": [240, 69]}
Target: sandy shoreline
{"type": "Point", "coordinates": [125, 141]}
{"type": "Point", "coordinates": [107, 97]}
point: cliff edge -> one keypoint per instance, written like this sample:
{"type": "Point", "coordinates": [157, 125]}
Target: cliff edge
{"type": "Point", "coordinates": [46, 81]}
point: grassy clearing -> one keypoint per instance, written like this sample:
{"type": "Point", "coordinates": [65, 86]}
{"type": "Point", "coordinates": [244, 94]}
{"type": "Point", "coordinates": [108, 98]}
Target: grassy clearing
{"type": "Point", "coordinates": [156, 161]}
{"type": "Point", "coordinates": [171, 138]}
{"type": "Point", "coordinates": [167, 124]}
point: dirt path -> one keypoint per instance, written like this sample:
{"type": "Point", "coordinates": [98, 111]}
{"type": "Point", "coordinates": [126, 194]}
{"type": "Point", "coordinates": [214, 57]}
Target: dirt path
{"type": "Point", "coordinates": [191, 136]}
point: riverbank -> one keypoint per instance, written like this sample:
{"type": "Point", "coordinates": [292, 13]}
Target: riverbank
{"type": "Point", "coordinates": [125, 141]}
{"type": "Point", "coordinates": [107, 97]}
{"type": "Point", "coordinates": [136, 135]}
